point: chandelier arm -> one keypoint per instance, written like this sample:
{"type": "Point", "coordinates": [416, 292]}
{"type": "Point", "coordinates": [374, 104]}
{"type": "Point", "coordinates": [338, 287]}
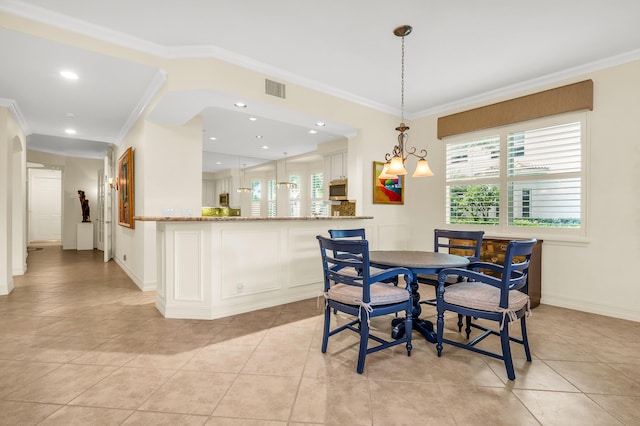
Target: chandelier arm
{"type": "Point", "coordinates": [421, 155]}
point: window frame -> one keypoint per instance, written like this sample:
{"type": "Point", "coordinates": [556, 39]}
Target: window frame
{"type": "Point", "coordinates": [503, 180]}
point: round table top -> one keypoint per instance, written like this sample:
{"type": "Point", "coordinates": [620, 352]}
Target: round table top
{"type": "Point", "coordinates": [417, 259]}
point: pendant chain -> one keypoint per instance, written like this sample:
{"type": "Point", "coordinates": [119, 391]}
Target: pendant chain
{"type": "Point", "coordinates": [402, 82]}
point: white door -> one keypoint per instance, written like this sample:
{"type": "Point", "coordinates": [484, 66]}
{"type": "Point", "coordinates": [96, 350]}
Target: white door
{"type": "Point", "coordinates": [45, 205]}
{"type": "Point", "coordinates": [107, 210]}
{"type": "Point", "coordinates": [100, 218]}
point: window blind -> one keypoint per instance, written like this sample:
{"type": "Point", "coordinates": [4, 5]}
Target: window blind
{"type": "Point", "coordinates": [271, 198]}
{"type": "Point", "coordinates": [256, 198]}
{"type": "Point", "coordinates": [528, 174]}
{"type": "Point", "coordinates": [317, 205]}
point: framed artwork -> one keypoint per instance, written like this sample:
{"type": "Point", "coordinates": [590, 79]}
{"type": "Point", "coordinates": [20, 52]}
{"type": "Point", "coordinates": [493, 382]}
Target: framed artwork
{"type": "Point", "coordinates": [224, 199]}
{"type": "Point", "coordinates": [387, 191]}
{"type": "Point", "coordinates": [125, 190]}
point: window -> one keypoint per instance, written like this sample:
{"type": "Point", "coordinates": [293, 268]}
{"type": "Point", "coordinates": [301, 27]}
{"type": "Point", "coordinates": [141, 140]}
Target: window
{"type": "Point", "coordinates": [271, 198]}
{"type": "Point", "coordinates": [318, 207]}
{"type": "Point", "coordinates": [256, 198]}
{"type": "Point", "coordinates": [527, 174]}
{"type": "Point", "coordinates": [294, 196]}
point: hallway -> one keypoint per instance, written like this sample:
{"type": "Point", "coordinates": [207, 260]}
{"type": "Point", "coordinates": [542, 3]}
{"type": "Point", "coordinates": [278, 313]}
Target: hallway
{"type": "Point", "coordinates": [81, 344]}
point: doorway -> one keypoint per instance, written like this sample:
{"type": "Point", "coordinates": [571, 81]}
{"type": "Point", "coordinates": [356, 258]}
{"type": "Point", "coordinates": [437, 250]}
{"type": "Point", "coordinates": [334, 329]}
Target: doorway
{"type": "Point", "coordinates": [45, 205]}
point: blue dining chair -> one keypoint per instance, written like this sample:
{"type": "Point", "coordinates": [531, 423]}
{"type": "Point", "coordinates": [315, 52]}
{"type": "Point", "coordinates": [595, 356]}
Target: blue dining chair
{"type": "Point", "coordinates": [484, 296]}
{"type": "Point", "coordinates": [356, 234]}
{"type": "Point", "coordinates": [353, 287]}
{"type": "Point", "coordinates": [463, 243]}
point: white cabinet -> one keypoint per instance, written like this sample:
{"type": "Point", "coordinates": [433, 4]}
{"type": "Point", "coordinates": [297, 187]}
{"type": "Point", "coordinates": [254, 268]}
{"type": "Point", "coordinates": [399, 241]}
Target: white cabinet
{"type": "Point", "coordinates": [337, 166]}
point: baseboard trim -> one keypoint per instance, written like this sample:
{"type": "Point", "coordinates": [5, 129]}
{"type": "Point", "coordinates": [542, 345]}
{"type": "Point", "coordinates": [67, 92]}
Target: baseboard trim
{"type": "Point", "coordinates": [594, 308]}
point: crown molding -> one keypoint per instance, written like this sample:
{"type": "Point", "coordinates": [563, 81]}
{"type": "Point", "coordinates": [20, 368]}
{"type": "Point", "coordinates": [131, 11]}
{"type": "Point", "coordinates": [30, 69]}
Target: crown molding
{"type": "Point", "coordinates": [184, 52]}
{"type": "Point", "coordinates": [158, 81]}
{"type": "Point", "coordinates": [13, 107]}
{"type": "Point", "coordinates": [94, 31]}
{"type": "Point", "coordinates": [535, 83]}
{"type": "Point", "coordinates": [68, 23]}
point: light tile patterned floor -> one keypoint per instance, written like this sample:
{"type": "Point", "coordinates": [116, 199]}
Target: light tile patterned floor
{"type": "Point", "coordinates": [81, 345]}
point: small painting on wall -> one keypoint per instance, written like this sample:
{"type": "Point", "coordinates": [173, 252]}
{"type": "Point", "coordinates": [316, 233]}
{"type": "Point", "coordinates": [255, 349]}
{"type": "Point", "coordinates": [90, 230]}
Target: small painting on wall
{"type": "Point", "coordinates": [387, 190]}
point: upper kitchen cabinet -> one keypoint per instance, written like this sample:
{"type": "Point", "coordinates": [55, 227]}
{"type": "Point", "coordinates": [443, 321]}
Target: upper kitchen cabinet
{"type": "Point", "coordinates": [336, 166]}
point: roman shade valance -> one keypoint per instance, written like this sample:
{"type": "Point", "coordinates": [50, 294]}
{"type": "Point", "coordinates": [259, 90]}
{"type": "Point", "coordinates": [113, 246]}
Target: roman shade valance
{"type": "Point", "coordinates": [572, 97]}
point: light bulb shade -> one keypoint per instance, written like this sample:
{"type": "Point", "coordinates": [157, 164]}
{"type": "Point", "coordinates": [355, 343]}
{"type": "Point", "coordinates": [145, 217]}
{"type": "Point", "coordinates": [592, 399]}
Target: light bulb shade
{"type": "Point", "coordinates": [384, 174]}
{"type": "Point", "coordinates": [397, 166]}
{"type": "Point", "coordinates": [422, 169]}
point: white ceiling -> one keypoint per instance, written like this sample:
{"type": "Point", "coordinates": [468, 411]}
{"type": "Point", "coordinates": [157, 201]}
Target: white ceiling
{"type": "Point", "coordinates": [460, 51]}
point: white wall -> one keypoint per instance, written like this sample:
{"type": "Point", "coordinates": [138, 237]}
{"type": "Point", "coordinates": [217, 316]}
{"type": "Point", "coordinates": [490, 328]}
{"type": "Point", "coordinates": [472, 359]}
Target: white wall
{"type": "Point", "coordinates": [167, 175]}
{"type": "Point", "coordinates": [592, 272]}
{"type": "Point", "coordinates": [6, 143]}
{"type": "Point", "coordinates": [13, 249]}
{"type": "Point", "coordinates": [19, 205]}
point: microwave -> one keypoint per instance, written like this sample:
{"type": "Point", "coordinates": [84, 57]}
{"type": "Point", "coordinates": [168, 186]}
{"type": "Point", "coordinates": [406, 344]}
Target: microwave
{"type": "Point", "coordinates": [338, 190]}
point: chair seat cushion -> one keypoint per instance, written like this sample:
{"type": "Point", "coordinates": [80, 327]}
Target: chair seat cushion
{"type": "Point", "coordinates": [354, 272]}
{"type": "Point", "coordinates": [483, 297]}
{"type": "Point", "coordinates": [381, 294]}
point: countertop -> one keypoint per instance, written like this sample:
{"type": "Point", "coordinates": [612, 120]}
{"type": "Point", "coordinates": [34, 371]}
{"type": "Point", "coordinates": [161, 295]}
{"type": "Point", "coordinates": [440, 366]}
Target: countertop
{"type": "Point", "coordinates": [240, 219]}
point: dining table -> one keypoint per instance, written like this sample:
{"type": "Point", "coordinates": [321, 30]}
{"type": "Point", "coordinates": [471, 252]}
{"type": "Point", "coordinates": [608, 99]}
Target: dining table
{"type": "Point", "coordinates": [418, 262]}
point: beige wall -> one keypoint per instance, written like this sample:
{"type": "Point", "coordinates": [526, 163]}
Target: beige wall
{"type": "Point", "coordinates": [591, 272]}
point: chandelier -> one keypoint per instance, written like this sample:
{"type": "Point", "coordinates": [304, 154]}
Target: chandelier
{"type": "Point", "coordinates": [394, 161]}
{"type": "Point", "coordinates": [243, 188]}
{"type": "Point", "coordinates": [283, 183]}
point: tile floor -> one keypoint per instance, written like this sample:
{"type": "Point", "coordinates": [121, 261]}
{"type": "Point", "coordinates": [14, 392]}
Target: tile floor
{"type": "Point", "coordinates": [81, 345]}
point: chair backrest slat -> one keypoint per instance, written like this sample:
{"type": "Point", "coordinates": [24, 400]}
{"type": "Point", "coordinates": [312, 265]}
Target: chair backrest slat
{"type": "Point", "coordinates": [347, 233]}
{"type": "Point", "coordinates": [463, 243]}
{"type": "Point", "coordinates": [346, 262]}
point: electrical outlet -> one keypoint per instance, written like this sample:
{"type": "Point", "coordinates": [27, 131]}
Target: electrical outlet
{"type": "Point", "coordinates": [239, 287]}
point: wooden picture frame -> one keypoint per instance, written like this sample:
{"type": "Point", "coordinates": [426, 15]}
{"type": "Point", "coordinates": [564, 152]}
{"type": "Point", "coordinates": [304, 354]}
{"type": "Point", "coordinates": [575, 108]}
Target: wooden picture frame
{"type": "Point", "coordinates": [224, 199]}
{"type": "Point", "coordinates": [387, 191]}
{"type": "Point", "coordinates": [126, 208]}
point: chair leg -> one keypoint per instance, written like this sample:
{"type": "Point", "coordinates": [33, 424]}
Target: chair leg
{"type": "Point", "coordinates": [327, 323]}
{"type": "Point", "coordinates": [525, 338]}
{"type": "Point", "coordinates": [506, 352]}
{"type": "Point", "coordinates": [364, 340]}
{"type": "Point", "coordinates": [408, 325]}
{"type": "Point", "coordinates": [468, 329]}
{"type": "Point", "coordinates": [460, 323]}
{"type": "Point", "coordinates": [440, 331]}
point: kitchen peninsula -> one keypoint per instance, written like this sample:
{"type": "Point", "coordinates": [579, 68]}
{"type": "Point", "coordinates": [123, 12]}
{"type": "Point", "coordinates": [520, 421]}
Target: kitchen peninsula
{"type": "Point", "coordinates": [212, 267]}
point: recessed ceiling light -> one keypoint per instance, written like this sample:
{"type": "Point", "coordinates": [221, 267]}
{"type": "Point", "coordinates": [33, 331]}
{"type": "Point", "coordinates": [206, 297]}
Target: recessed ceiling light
{"type": "Point", "coordinates": [218, 162]}
{"type": "Point", "coordinates": [213, 138]}
{"type": "Point", "coordinates": [313, 132]}
{"type": "Point", "coordinates": [252, 119]}
{"type": "Point", "coordinates": [264, 147]}
{"type": "Point", "coordinates": [70, 131]}
{"type": "Point", "coordinates": [240, 104]}
{"type": "Point", "coordinates": [259, 136]}
{"type": "Point", "coordinates": [320, 124]}
{"type": "Point", "coordinates": [69, 75]}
